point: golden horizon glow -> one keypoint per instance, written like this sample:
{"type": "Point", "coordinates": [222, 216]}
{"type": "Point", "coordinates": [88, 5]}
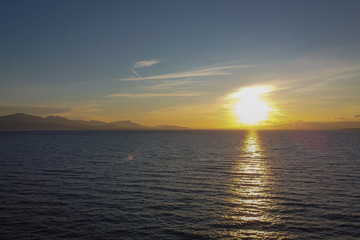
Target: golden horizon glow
{"type": "Point", "coordinates": [250, 107]}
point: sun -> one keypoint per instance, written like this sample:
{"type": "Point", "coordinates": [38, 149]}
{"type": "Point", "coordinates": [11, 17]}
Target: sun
{"type": "Point", "coordinates": [249, 106]}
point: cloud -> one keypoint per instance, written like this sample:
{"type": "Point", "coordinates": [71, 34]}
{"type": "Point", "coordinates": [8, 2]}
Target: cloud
{"type": "Point", "coordinates": [205, 72]}
{"type": "Point", "coordinates": [9, 109]}
{"type": "Point", "coordinates": [357, 116]}
{"type": "Point", "coordinates": [143, 95]}
{"type": "Point", "coordinates": [310, 80]}
{"type": "Point", "coordinates": [171, 84]}
{"type": "Point", "coordinates": [145, 63]}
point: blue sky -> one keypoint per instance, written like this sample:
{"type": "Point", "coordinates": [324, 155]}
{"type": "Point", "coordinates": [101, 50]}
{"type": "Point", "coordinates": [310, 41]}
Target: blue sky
{"type": "Point", "coordinates": [175, 62]}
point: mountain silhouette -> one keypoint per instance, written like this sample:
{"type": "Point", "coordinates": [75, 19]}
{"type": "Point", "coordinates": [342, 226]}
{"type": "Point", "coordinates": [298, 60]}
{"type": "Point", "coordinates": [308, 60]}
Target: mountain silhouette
{"type": "Point", "coordinates": [169, 127]}
{"type": "Point", "coordinates": [22, 121]}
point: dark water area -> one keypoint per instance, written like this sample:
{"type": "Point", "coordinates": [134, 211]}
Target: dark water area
{"type": "Point", "coordinates": [180, 185]}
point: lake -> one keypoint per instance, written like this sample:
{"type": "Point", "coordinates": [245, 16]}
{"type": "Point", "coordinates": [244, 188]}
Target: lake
{"type": "Point", "coordinates": [180, 184]}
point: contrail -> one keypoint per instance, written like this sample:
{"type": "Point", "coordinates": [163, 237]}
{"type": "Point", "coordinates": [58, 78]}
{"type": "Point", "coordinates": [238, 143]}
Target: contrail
{"type": "Point", "coordinates": [136, 73]}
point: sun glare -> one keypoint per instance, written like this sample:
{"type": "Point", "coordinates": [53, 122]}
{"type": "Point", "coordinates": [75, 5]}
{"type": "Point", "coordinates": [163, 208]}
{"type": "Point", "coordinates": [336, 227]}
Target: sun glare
{"type": "Point", "coordinates": [249, 105]}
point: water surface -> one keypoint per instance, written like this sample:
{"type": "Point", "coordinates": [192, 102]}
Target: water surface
{"type": "Point", "coordinates": [180, 185]}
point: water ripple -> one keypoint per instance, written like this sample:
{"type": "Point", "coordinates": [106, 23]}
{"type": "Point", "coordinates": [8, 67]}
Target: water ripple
{"type": "Point", "coordinates": [180, 185]}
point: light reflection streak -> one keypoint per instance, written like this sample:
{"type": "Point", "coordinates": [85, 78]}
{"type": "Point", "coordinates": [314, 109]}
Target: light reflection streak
{"type": "Point", "coordinates": [251, 194]}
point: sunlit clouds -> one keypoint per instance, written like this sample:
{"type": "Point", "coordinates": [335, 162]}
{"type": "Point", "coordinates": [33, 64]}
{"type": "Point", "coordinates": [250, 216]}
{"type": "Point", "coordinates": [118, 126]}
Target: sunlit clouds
{"type": "Point", "coordinates": [146, 95]}
{"type": "Point", "coordinates": [145, 63]}
{"type": "Point", "coordinates": [204, 72]}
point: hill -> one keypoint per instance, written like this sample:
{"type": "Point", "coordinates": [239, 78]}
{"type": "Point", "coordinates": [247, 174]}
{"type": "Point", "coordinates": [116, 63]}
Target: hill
{"type": "Point", "coordinates": [22, 121]}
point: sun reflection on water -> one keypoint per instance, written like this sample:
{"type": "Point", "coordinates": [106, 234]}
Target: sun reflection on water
{"type": "Point", "coordinates": [251, 195]}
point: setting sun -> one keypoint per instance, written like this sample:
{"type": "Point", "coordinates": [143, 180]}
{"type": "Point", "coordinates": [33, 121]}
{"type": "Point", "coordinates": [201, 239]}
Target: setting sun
{"type": "Point", "coordinates": [249, 106]}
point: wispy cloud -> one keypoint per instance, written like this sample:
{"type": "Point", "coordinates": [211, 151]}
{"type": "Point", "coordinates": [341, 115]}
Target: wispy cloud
{"type": "Point", "coordinates": [144, 95]}
{"type": "Point", "coordinates": [357, 116]}
{"type": "Point", "coordinates": [205, 72]}
{"type": "Point", "coordinates": [310, 74]}
{"type": "Point", "coordinates": [145, 63]}
{"type": "Point", "coordinates": [174, 85]}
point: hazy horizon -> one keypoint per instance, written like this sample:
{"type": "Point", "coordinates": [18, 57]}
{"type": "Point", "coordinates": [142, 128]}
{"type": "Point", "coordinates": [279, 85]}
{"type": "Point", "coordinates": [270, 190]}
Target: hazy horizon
{"type": "Point", "coordinates": [197, 64]}
{"type": "Point", "coordinates": [288, 126]}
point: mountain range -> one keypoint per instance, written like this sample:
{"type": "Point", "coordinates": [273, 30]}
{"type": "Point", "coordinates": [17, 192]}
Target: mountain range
{"type": "Point", "coordinates": [22, 121]}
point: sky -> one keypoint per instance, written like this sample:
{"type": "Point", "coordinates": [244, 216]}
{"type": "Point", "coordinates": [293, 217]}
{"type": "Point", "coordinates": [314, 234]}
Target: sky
{"type": "Point", "coordinates": [180, 62]}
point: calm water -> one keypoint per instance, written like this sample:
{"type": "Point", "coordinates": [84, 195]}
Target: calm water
{"type": "Point", "coordinates": [180, 185]}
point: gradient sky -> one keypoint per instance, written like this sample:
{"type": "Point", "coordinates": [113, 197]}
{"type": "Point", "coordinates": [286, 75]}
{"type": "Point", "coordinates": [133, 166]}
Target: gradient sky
{"type": "Point", "coordinates": [176, 62]}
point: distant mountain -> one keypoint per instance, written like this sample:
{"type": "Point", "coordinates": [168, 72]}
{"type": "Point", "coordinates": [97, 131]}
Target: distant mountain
{"type": "Point", "coordinates": [21, 117]}
{"type": "Point", "coordinates": [316, 125]}
{"type": "Point", "coordinates": [170, 127]}
{"type": "Point", "coordinates": [57, 119]}
{"type": "Point", "coordinates": [127, 125]}
{"type": "Point", "coordinates": [21, 121]}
